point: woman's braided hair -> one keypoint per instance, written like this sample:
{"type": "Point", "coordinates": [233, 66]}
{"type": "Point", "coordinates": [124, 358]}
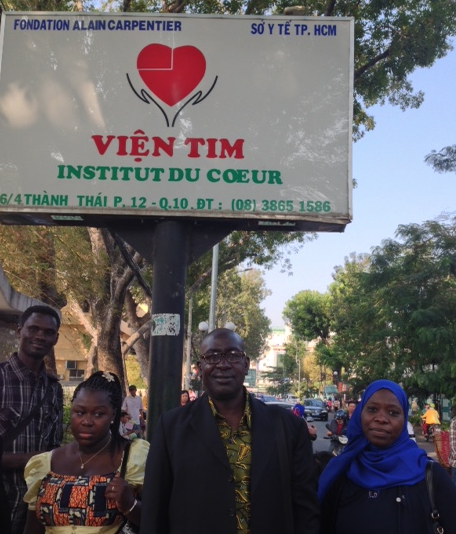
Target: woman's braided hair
{"type": "Point", "coordinates": [109, 382]}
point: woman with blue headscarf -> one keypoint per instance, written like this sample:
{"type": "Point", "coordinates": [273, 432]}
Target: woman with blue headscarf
{"type": "Point", "coordinates": [377, 485]}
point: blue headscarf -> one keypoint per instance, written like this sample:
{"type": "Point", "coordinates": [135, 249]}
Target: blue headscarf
{"type": "Point", "coordinates": [374, 468]}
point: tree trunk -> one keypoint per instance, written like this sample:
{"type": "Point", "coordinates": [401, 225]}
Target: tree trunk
{"type": "Point", "coordinates": [141, 339]}
{"type": "Point", "coordinates": [107, 308]}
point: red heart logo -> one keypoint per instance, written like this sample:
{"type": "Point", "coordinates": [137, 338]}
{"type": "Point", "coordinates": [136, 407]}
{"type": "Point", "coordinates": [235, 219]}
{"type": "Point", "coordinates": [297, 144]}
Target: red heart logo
{"type": "Point", "coordinates": [171, 73]}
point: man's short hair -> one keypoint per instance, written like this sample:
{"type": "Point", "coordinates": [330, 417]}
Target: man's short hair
{"type": "Point", "coordinates": [42, 310]}
{"type": "Point", "coordinates": [132, 388]}
{"type": "Point", "coordinates": [123, 414]}
{"type": "Point", "coordinates": [219, 332]}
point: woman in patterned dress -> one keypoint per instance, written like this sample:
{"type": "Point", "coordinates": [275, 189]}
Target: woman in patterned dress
{"type": "Point", "coordinates": [78, 487]}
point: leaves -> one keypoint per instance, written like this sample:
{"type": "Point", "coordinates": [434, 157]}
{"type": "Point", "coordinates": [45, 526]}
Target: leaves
{"type": "Point", "coordinates": [393, 312]}
{"type": "Point", "coordinates": [444, 160]}
{"type": "Point", "coordinates": [239, 296]}
{"type": "Point", "coordinates": [308, 314]}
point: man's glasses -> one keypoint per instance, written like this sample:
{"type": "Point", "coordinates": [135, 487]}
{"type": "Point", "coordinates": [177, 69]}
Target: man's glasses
{"type": "Point", "coordinates": [231, 356]}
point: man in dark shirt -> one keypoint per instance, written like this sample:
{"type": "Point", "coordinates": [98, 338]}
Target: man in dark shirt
{"type": "Point", "coordinates": [247, 466]}
{"type": "Point", "coordinates": [25, 385]}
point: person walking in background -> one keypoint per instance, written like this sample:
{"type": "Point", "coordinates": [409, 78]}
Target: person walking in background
{"type": "Point", "coordinates": [82, 486]}
{"type": "Point", "coordinates": [452, 437]}
{"type": "Point", "coordinates": [133, 405]}
{"type": "Point", "coordinates": [377, 485]}
{"type": "Point", "coordinates": [185, 397]}
{"type": "Point", "coordinates": [351, 405]}
{"type": "Point", "coordinates": [31, 406]}
{"type": "Point", "coordinates": [227, 463]}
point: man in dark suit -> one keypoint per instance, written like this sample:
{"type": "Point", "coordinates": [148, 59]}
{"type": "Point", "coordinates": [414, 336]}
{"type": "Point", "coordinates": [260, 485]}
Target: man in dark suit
{"type": "Point", "coordinates": [227, 463]}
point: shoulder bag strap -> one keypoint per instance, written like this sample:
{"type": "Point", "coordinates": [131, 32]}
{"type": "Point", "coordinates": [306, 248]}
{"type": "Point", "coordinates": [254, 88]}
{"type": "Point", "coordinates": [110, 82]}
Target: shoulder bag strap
{"type": "Point", "coordinates": [123, 467]}
{"type": "Point", "coordinates": [126, 527]}
{"type": "Point", "coordinates": [23, 424]}
{"type": "Point", "coordinates": [438, 529]}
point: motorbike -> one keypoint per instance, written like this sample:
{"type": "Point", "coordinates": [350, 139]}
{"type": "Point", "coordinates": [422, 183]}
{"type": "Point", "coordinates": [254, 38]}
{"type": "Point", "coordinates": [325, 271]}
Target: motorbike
{"type": "Point", "coordinates": [431, 431]}
{"type": "Point", "coordinates": [337, 444]}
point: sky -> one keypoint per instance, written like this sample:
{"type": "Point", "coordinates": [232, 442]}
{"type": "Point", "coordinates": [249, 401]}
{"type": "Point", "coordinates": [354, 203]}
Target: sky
{"type": "Point", "coordinates": [395, 185]}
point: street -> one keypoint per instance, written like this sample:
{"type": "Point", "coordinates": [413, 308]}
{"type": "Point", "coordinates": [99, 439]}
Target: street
{"type": "Point", "coordinates": [321, 444]}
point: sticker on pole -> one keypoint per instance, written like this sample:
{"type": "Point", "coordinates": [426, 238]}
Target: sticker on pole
{"type": "Point", "coordinates": [165, 324]}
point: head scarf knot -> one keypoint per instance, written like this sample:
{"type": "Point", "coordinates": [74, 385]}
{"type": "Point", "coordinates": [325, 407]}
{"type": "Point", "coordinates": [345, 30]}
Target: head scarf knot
{"type": "Point", "coordinates": [374, 468]}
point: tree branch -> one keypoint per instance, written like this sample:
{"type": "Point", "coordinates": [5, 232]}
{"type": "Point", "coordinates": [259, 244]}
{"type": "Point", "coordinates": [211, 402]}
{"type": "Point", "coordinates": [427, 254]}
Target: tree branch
{"type": "Point", "coordinates": [359, 72]}
{"type": "Point", "coordinates": [330, 8]}
{"type": "Point", "coordinates": [175, 7]}
{"type": "Point", "coordinates": [135, 337]}
{"type": "Point", "coordinates": [82, 317]}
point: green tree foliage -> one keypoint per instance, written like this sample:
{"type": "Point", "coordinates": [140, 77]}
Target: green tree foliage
{"type": "Point", "coordinates": [46, 5]}
{"type": "Point", "coordinates": [304, 376]}
{"type": "Point", "coordinates": [133, 372]}
{"type": "Point", "coordinates": [393, 313]}
{"type": "Point", "coordinates": [239, 297]}
{"type": "Point", "coordinates": [308, 314]}
{"type": "Point", "coordinates": [279, 376]}
{"type": "Point", "coordinates": [444, 160]}
{"type": "Point", "coordinates": [359, 345]}
{"type": "Point", "coordinates": [417, 274]}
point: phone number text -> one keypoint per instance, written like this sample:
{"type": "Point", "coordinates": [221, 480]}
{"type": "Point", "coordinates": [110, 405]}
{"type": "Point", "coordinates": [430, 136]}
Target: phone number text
{"type": "Point", "coordinates": [164, 203]}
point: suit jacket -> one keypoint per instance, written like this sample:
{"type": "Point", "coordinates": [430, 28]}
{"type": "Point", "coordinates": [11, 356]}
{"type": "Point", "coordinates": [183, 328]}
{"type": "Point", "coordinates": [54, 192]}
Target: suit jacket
{"type": "Point", "coordinates": [189, 489]}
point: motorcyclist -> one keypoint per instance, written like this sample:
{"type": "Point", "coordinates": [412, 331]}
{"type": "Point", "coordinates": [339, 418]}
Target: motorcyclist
{"type": "Point", "coordinates": [338, 425]}
{"type": "Point", "coordinates": [430, 417]}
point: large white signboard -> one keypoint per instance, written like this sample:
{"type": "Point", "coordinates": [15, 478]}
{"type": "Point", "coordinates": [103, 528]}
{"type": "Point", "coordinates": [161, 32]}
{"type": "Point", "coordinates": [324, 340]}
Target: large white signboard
{"type": "Point", "coordinates": [179, 116]}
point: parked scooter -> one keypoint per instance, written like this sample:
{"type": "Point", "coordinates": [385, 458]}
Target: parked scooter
{"type": "Point", "coordinates": [338, 442]}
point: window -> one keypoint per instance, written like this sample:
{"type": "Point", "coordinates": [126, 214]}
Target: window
{"type": "Point", "coordinates": [76, 375]}
{"type": "Point", "coordinates": [70, 364]}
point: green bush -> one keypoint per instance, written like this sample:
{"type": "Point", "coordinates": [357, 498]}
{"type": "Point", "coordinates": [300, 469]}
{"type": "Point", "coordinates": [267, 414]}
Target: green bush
{"type": "Point", "coordinates": [415, 419]}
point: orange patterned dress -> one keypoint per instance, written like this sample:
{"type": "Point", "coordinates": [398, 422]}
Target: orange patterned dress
{"type": "Point", "coordinates": [76, 500]}
{"type": "Point", "coordinates": [76, 503]}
